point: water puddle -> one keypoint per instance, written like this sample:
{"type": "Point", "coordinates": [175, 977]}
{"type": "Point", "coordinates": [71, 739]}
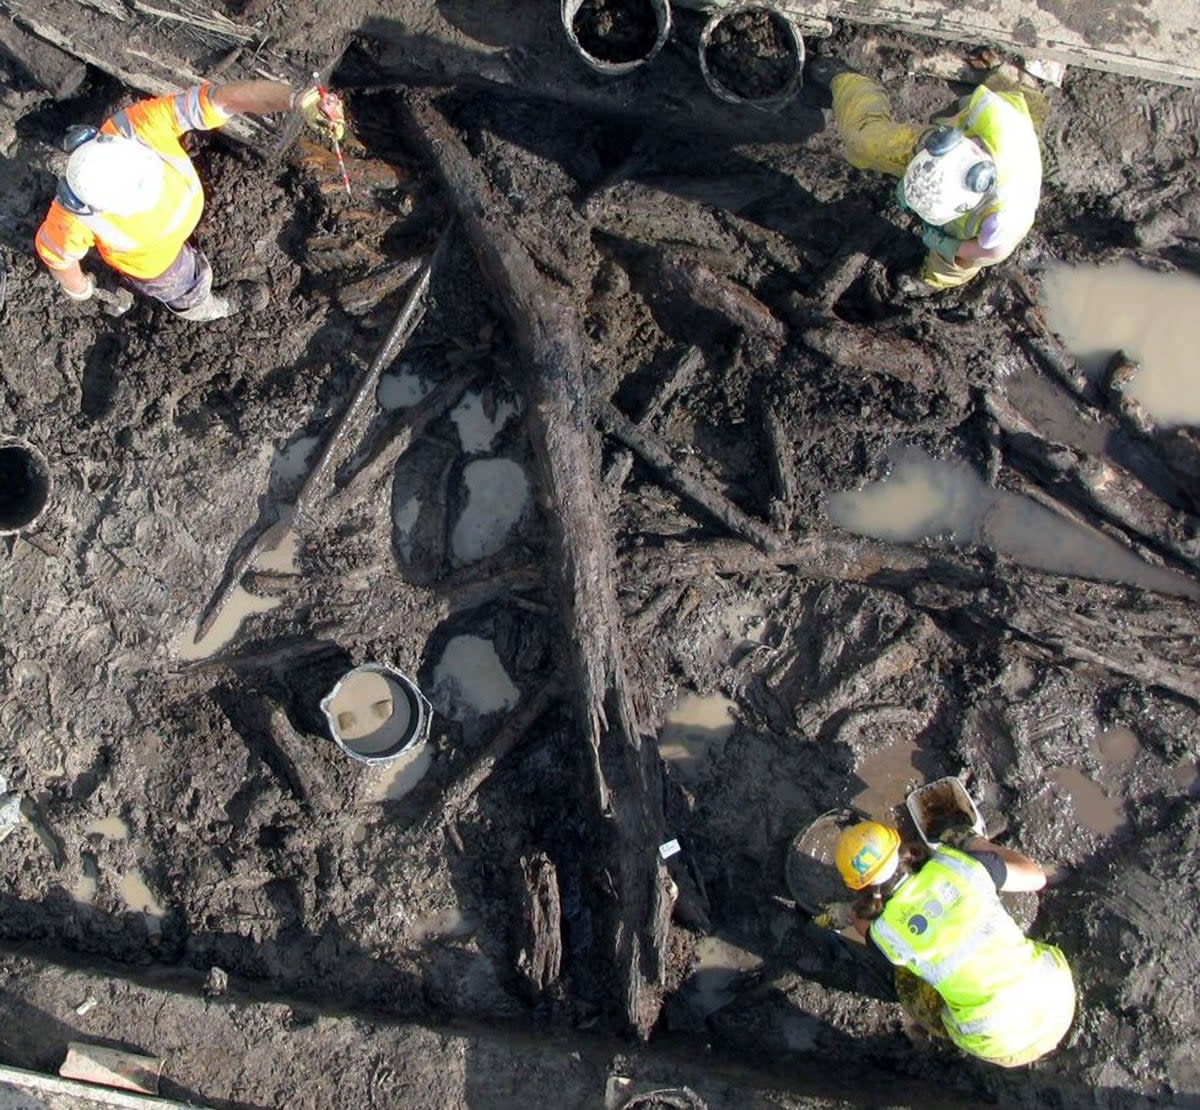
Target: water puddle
{"type": "Point", "coordinates": [1093, 808]}
{"type": "Point", "coordinates": [924, 498]}
{"type": "Point", "coordinates": [497, 497]}
{"type": "Point", "coordinates": [401, 389]}
{"type": "Point", "coordinates": [405, 517]}
{"type": "Point", "coordinates": [694, 730]}
{"type": "Point", "coordinates": [1117, 748]}
{"type": "Point", "coordinates": [84, 891]}
{"type": "Point", "coordinates": [451, 924]}
{"type": "Point", "coordinates": [477, 430]}
{"type": "Point", "coordinates": [1185, 775]}
{"type": "Point", "coordinates": [291, 463]}
{"type": "Point", "coordinates": [400, 776]}
{"type": "Point", "coordinates": [281, 557]}
{"type": "Point", "coordinates": [241, 604]}
{"type": "Point", "coordinates": [140, 899]}
{"type": "Point", "coordinates": [470, 681]}
{"type": "Point", "coordinates": [1154, 318]}
{"type": "Point", "coordinates": [888, 775]}
{"type": "Point", "coordinates": [111, 828]}
{"type": "Point", "coordinates": [719, 965]}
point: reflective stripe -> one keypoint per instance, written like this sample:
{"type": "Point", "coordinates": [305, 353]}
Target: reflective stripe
{"type": "Point", "coordinates": [124, 128]}
{"type": "Point", "coordinates": [187, 109]}
{"type": "Point", "coordinates": [182, 212]}
{"type": "Point", "coordinates": [107, 232]}
{"type": "Point", "coordinates": [968, 869]}
{"type": "Point", "coordinates": [979, 1026]}
{"type": "Point", "coordinates": [50, 247]}
{"type": "Point", "coordinates": [902, 948]}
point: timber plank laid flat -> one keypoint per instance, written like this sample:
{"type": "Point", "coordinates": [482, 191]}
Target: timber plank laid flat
{"type": "Point", "coordinates": [1157, 40]}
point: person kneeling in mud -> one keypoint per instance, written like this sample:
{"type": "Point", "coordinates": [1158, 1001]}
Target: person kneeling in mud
{"type": "Point", "coordinates": [964, 969]}
{"type": "Point", "coordinates": [974, 180]}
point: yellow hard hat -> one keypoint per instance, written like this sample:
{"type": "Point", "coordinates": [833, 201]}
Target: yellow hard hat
{"type": "Point", "coordinates": [863, 851]}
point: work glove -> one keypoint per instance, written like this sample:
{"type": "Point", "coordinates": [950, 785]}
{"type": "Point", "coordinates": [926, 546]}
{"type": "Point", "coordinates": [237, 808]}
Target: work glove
{"type": "Point", "coordinates": [323, 112]}
{"type": "Point", "coordinates": [958, 836]}
{"type": "Point", "coordinates": [87, 293]}
{"type": "Point", "coordinates": [835, 915]}
{"type": "Point", "coordinates": [937, 240]}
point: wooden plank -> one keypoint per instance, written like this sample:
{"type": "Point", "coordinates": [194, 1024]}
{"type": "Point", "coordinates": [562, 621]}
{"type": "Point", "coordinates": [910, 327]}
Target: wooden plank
{"type": "Point", "coordinates": [1158, 40]}
{"type": "Point", "coordinates": [52, 69]}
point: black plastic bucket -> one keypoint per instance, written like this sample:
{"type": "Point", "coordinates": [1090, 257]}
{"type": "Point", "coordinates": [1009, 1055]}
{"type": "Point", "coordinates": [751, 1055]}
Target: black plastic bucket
{"type": "Point", "coordinates": [25, 484]}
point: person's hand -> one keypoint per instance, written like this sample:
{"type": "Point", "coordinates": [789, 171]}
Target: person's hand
{"type": "Point", "coordinates": [323, 112]}
{"type": "Point", "coordinates": [937, 240]}
{"type": "Point", "coordinates": [958, 836]}
{"type": "Point", "coordinates": [835, 915]}
{"type": "Point", "coordinates": [86, 293]}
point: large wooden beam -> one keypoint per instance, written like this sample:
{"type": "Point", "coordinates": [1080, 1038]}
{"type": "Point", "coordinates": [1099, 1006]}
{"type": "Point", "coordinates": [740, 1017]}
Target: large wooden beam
{"type": "Point", "coordinates": [548, 333]}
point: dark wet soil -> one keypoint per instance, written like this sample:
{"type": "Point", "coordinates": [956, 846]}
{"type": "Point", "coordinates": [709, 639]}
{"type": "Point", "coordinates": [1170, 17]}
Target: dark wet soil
{"type": "Point", "coordinates": [616, 30]}
{"type": "Point", "coordinates": [751, 54]}
{"type": "Point", "coordinates": [269, 854]}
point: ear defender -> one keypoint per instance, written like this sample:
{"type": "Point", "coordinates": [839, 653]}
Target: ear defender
{"type": "Point", "coordinates": [942, 140]}
{"type": "Point", "coordinates": [981, 177]}
{"type": "Point", "coordinates": [76, 135]}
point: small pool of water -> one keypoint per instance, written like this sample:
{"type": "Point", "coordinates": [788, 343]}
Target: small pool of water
{"type": "Point", "coordinates": [1154, 318]}
{"type": "Point", "coordinates": [694, 730]}
{"type": "Point", "coordinates": [497, 497]}
{"type": "Point", "coordinates": [927, 498]}
{"type": "Point", "coordinates": [470, 681]}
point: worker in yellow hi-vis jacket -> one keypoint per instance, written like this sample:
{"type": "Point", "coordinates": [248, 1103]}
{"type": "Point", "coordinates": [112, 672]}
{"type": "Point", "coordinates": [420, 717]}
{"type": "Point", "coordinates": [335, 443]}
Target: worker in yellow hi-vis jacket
{"type": "Point", "coordinates": [974, 180]}
{"type": "Point", "coordinates": [964, 969]}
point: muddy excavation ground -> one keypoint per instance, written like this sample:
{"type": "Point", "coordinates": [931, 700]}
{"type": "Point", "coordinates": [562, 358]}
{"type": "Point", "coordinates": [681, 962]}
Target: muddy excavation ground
{"type": "Point", "coordinates": [600, 416]}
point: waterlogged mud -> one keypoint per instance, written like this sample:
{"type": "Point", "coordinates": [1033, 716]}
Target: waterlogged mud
{"type": "Point", "coordinates": [189, 811]}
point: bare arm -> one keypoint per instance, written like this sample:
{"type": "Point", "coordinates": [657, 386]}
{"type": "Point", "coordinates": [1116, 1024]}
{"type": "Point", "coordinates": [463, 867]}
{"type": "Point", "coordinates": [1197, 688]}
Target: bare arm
{"type": "Point", "coordinates": [255, 97]}
{"type": "Point", "coordinates": [1023, 873]}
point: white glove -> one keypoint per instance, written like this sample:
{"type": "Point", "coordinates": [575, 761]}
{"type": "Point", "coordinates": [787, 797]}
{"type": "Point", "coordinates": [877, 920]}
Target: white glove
{"type": "Point", "coordinates": [86, 293]}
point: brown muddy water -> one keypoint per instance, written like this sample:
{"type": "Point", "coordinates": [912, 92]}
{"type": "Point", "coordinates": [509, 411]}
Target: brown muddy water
{"type": "Point", "coordinates": [926, 498]}
{"type": "Point", "coordinates": [1153, 317]}
{"type": "Point", "coordinates": [694, 730]}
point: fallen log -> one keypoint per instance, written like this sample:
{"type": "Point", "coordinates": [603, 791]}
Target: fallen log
{"type": "Point", "coordinates": [548, 334]}
{"type": "Point", "coordinates": [1137, 633]}
{"type": "Point", "coordinates": [318, 483]}
{"type": "Point", "coordinates": [143, 56]}
{"type": "Point", "coordinates": [713, 291]}
{"type": "Point", "coordinates": [698, 489]}
{"type": "Point", "coordinates": [783, 472]}
{"type": "Point", "coordinates": [540, 957]}
{"type": "Point", "coordinates": [51, 69]}
{"type": "Point", "coordinates": [1098, 486]}
{"type": "Point", "coordinates": [896, 658]}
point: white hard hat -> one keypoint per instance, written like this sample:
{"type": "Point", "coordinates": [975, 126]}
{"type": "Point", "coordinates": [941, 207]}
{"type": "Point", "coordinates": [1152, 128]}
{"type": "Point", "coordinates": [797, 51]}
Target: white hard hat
{"type": "Point", "coordinates": [113, 174]}
{"type": "Point", "coordinates": [948, 176]}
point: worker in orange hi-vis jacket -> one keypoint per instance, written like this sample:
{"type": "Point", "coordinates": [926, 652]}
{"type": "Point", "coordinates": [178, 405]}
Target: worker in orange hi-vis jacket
{"type": "Point", "coordinates": [130, 190]}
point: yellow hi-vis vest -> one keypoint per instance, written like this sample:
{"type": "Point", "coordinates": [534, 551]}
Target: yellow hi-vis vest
{"type": "Point", "coordinates": [1002, 991]}
{"type": "Point", "coordinates": [1001, 121]}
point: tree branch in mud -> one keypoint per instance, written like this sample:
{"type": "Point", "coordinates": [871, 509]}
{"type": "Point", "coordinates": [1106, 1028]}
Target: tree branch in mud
{"type": "Point", "coordinates": [1099, 487]}
{"type": "Point", "coordinates": [698, 489]}
{"type": "Point", "coordinates": [548, 333]}
{"type": "Point", "coordinates": [1133, 632]}
{"type": "Point", "coordinates": [319, 482]}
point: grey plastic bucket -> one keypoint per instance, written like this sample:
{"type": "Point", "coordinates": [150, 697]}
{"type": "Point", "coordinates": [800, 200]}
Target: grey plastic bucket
{"type": "Point", "coordinates": [375, 713]}
{"type": "Point", "coordinates": [775, 100]}
{"type": "Point", "coordinates": [25, 485]}
{"type": "Point", "coordinates": [660, 9]}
